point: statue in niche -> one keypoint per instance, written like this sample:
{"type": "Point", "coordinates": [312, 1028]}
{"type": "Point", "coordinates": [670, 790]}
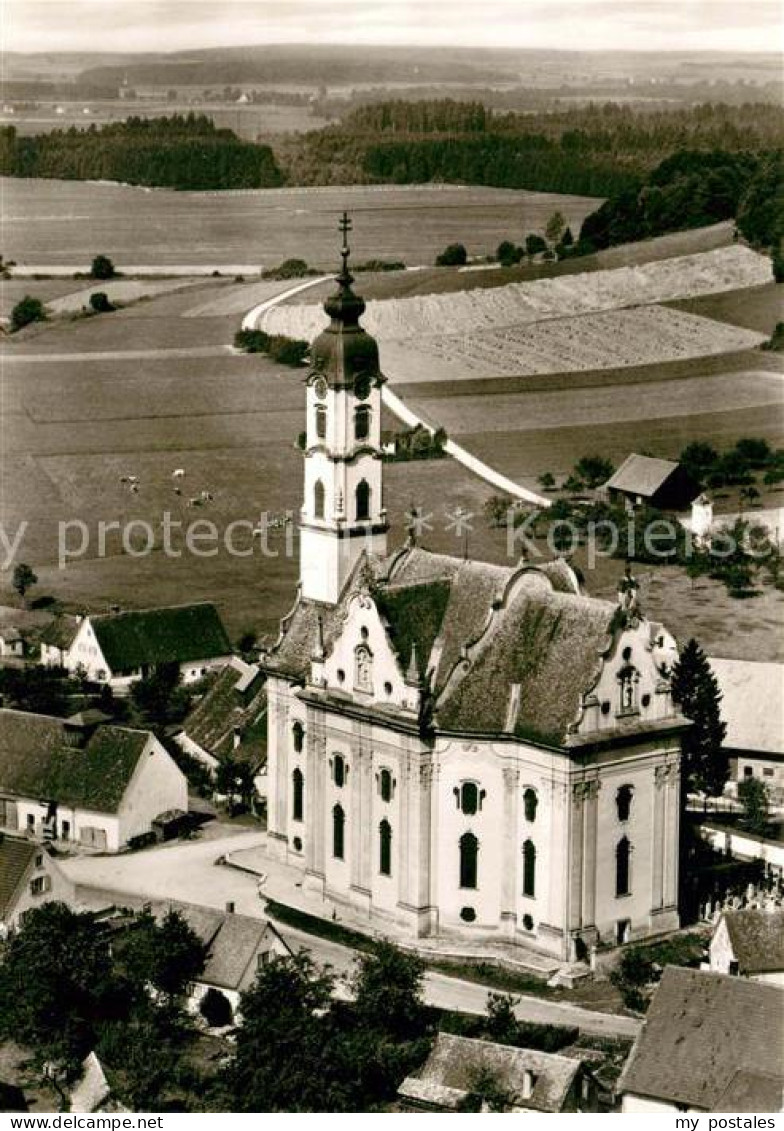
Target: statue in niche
{"type": "Point", "coordinates": [363, 669]}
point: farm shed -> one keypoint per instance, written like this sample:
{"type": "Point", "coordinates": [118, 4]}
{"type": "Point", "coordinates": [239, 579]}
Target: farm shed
{"type": "Point", "coordinates": [646, 481]}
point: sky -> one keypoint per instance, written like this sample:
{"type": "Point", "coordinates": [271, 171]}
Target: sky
{"type": "Point", "coordinates": [173, 25]}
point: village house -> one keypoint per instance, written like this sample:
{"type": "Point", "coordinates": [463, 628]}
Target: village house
{"type": "Point", "coordinates": [11, 643]}
{"type": "Point", "coordinates": [457, 748]}
{"type": "Point", "coordinates": [646, 481]}
{"type": "Point", "coordinates": [237, 946]}
{"type": "Point", "coordinates": [120, 648]}
{"type": "Point", "coordinates": [57, 638]}
{"type": "Point", "coordinates": [749, 942]}
{"type": "Point", "coordinates": [82, 782]}
{"type": "Point", "coordinates": [30, 876]}
{"type": "Point", "coordinates": [229, 721]}
{"type": "Point", "coordinates": [529, 1080]}
{"type": "Point", "coordinates": [710, 1042]}
{"type": "Point", "coordinates": [752, 706]}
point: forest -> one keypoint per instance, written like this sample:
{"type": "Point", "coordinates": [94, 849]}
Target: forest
{"type": "Point", "coordinates": [181, 152]}
{"type": "Point", "coordinates": [661, 170]}
{"type": "Point", "coordinates": [692, 189]}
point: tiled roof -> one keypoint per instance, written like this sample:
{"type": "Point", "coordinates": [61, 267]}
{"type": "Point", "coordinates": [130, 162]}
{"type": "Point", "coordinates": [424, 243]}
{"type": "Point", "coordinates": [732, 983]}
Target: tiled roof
{"type": "Point", "coordinates": [215, 718]}
{"type": "Point", "coordinates": [641, 475]}
{"type": "Point", "coordinates": [61, 632]}
{"type": "Point", "coordinates": [509, 650]}
{"type": "Point", "coordinates": [36, 760]}
{"type": "Point", "coordinates": [757, 938]}
{"type": "Point", "coordinates": [752, 704]}
{"type": "Point", "coordinates": [528, 672]}
{"type": "Point", "coordinates": [700, 1029]}
{"type": "Point", "coordinates": [16, 856]}
{"type": "Point", "coordinates": [233, 941]}
{"type": "Point", "coordinates": [451, 1071]}
{"type": "Point", "coordinates": [174, 634]}
{"type": "Point", "coordinates": [752, 1091]}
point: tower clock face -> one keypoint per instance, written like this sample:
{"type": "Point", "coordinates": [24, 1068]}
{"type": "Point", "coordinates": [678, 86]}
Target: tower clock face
{"type": "Point", "coordinates": [362, 386]}
{"type": "Point", "coordinates": [320, 388]}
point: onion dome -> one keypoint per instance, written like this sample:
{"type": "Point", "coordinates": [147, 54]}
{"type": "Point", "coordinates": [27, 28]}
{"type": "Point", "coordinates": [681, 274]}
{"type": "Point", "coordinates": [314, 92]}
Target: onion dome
{"type": "Point", "coordinates": [344, 351]}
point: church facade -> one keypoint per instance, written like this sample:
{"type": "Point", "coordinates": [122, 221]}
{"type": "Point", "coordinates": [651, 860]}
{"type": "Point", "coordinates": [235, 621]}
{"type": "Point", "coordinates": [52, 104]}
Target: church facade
{"type": "Point", "coordinates": [462, 749]}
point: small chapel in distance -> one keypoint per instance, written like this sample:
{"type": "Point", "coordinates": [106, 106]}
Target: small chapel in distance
{"type": "Point", "coordinates": [460, 749]}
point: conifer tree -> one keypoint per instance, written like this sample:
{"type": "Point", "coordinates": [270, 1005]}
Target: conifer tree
{"type": "Point", "coordinates": [705, 763]}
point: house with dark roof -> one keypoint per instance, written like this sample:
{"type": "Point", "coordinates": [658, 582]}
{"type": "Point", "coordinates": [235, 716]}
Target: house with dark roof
{"type": "Point", "coordinates": [30, 876]}
{"type": "Point", "coordinates": [56, 638]}
{"type": "Point", "coordinates": [230, 719]}
{"type": "Point", "coordinates": [750, 943]}
{"type": "Point", "coordinates": [120, 648]}
{"type": "Point", "coordinates": [752, 706]}
{"type": "Point", "coordinates": [236, 948]}
{"type": "Point", "coordinates": [462, 749]}
{"type": "Point", "coordinates": [647, 481]}
{"type": "Point", "coordinates": [83, 783]}
{"type": "Point", "coordinates": [710, 1042]}
{"type": "Point", "coordinates": [460, 1070]}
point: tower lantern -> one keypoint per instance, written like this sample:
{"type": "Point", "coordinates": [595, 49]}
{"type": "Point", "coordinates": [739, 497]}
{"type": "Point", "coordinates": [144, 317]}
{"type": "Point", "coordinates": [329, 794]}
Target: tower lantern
{"type": "Point", "coordinates": [343, 510]}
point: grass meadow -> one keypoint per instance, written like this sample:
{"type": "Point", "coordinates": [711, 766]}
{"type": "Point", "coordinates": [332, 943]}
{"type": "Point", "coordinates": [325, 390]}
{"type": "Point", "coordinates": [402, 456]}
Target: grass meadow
{"type": "Point", "coordinates": [156, 386]}
{"type": "Point", "coordinates": [67, 222]}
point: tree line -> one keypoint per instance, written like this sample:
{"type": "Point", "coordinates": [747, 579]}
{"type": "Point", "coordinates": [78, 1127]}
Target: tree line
{"type": "Point", "coordinates": [690, 189]}
{"type": "Point", "coordinates": [181, 152]}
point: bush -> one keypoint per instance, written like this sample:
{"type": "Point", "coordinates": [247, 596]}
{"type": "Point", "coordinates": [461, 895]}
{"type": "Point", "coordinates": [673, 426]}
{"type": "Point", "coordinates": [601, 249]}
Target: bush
{"type": "Point", "coordinates": [252, 341]}
{"type": "Point", "coordinates": [379, 265]}
{"type": "Point", "coordinates": [508, 254]}
{"type": "Point", "coordinates": [288, 351]}
{"type": "Point", "coordinates": [593, 470]}
{"type": "Point", "coordinates": [534, 244]}
{"type": "Point", "coordinates": [99, 303]}
{"type": "Point", "coordinates": [289, 269]}
{"type": "Point", "coordinates": [102, 268]}
{"type": "Point", "coordinates": [27, 310]}
{"type": "Point", "coordinates": [455, 255]}
{"type": "Point", "coordinates": [776, 342]}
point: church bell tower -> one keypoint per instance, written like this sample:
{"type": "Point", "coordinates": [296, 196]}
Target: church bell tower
{"type": "Point", "coordinates": [343, 509]}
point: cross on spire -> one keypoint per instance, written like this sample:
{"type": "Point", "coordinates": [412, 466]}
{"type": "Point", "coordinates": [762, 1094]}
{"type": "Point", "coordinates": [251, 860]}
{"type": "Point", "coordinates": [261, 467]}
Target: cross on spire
{"type": "Point", "coordinates": [344, 227]}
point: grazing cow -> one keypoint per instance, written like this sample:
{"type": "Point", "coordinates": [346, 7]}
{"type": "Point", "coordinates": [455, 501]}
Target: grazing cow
{"type": "Point", "coordinates": [178, 473]}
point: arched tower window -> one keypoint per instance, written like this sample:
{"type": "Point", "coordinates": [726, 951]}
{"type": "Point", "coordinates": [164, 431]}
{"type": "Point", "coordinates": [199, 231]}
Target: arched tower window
{"type": "Point", "coordinates": [297, 795]}
{"type": "Point", "coordinates": [362, 498]}
{"type": "Point", "coordinates": [298, 737]}
{"type": "Point", "coordinates": [362, 418]}
{"type": "Point", "coordinates": [623, 860]}
{"type": "Point", "coordinates": [469, 860]}
{"type": "Point", "coordinates": [529, 868]}
{"type": "Point", "coordinates": [385, 848]}
{"type": "Point", "coordinates": [385, 785]}
{"type": "Point", "coordinates": [338, 832]}
{"type": "Point", "coordinates": [530, 802]}
{"type": "Point", "coordinates": [321, 422]}
{"type": "Point", "coordinates": [623, 802]}
{"type": "Point", "coordinates": [339, 770]}
{"type": "Point", "coordinates": [318, 499]}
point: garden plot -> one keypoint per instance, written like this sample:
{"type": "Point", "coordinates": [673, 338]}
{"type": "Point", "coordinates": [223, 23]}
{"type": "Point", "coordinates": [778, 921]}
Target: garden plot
{"type": "Point", "coordinates": [726, 268]}
{"type": "Point", "coordinates": [636, 336]}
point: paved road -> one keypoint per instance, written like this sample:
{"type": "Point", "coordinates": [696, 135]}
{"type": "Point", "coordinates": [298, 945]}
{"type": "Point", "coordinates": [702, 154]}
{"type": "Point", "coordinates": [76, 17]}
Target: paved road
{"type": "Point", "coordinates": [187, 871]}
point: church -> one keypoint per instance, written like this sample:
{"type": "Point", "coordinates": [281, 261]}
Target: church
{"type": "Point", "coordinates": [459, 749]}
